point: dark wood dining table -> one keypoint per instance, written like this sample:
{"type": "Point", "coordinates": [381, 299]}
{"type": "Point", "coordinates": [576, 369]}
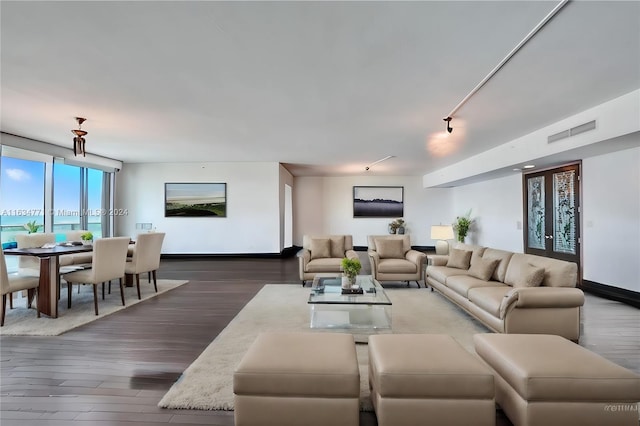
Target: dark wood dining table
{"type": "Point", "coordinates": [49, 272]}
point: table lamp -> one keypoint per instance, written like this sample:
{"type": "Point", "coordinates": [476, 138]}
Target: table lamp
{"type": "Point", "coordinates": [442, 233]}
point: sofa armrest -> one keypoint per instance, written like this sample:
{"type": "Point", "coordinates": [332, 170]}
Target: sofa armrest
{"type": "Point", "coordinates": [374, 259]}
{"type": "Point", "coordinates": [304, 256]}
{"type": "Point", "coordinates": [416, 257]}
{"type": "Point", "coordinates": [437, 259]}
{"type": "Point", "coordinates": [351, 254]}
{"type": "Point", "coordinates": [541, 297]}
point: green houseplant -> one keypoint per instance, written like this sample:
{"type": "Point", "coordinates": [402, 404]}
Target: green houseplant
{"type": "Point", "coordinates": [351, 268]}
{"type": "Point", "coordinates": [32, 227]}
{"type": "Point", "coordinates": [87, 237]}
{"type": "Point", "coordinates": [462, 225]}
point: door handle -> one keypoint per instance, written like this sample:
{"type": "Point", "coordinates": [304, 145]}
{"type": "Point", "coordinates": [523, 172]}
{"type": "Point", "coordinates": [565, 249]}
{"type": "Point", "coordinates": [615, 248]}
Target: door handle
{"type": "Point", "coordinates": [548, 237]}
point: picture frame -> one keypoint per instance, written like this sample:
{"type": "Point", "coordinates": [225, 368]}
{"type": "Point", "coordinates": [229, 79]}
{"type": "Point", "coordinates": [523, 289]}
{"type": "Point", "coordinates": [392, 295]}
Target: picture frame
{"type": "Point", "coordinates": [195, 199]}
{"type": "Point", "coordinates": [378, 201]}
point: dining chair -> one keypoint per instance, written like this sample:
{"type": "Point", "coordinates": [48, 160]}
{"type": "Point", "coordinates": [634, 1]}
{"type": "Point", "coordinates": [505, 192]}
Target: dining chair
{"type": "Point", "coordinates": [16, 282]}
{"type": "Point", "coordinates": [146, 257]}
{"type": "Point", "coordinates": [108, 259]}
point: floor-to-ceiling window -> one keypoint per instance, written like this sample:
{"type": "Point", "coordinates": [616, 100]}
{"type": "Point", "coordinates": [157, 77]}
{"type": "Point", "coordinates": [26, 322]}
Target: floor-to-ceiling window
{"type": "Point", "coordinates": [96, 208]}
{"type": "Point", "coordinates": [22, 200]}
{"type": "Point", "coordinates": [67, 203]}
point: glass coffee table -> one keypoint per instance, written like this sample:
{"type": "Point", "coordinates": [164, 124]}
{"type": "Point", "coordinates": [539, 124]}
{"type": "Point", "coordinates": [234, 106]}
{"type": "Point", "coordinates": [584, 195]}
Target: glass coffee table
{"type": "Point", "coordinates": [369, 311]}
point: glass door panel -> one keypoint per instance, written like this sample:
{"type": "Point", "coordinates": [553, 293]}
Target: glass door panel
{"type": "Point", "coordinates": [97, 212]}
{"type": "Point", "coordinates": [67, 205]}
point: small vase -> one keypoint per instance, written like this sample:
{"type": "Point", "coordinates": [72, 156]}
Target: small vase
{"type": "Point", "coordinates": [87, 242]}
{"type": "Point", "coordinates": [400, 230]}
{"type": "Point", "coordinates": [345, 282]}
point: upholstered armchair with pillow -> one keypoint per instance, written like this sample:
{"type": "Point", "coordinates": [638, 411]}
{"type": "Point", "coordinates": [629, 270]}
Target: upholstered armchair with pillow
{"type": "Point", "coordinates": [324, 253]}
{"type": "Point", "coordinates": [392, 259]}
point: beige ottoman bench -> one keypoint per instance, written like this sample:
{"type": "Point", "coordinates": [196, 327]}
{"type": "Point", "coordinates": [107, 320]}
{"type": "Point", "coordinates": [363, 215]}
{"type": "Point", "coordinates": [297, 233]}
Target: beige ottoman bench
{"type": "Point", "coordinates": [427, 379]}
{"type": "Point", "coordinates": [298, 379]}
{"type": "Point", "coordinates": [548, 380]}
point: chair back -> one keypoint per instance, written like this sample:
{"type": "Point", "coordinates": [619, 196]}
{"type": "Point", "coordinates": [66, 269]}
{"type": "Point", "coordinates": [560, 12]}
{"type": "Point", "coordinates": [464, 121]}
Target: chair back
{"type": "Point", "coordinates": [30, 241]}
{"type": "Point", "coordinates": [406, 241]}
{"type": "Point", "coordinates": [4, 276]}
{"type": "Point", "coordinates": [147, 251]}
{"type": "Point", "coordinates": [109, 258]}
{"type": "Point", "coordinates": [75, 235]}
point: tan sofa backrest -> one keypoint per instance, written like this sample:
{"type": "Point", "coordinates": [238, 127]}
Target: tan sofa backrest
{"type": "Point", "coordinates": [406, 240]}
{"type": "Point", "coordinates": [557, 273]}
{"type": "Point", "coordinates": [348, 240]}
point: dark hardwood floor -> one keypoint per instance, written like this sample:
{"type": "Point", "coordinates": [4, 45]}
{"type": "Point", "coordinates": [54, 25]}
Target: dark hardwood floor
{"type": "Point", "coordinates": [115, 370]}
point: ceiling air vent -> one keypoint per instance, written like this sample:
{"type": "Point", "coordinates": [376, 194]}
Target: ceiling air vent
{"type": "Point", "coordinates": [572, 131]}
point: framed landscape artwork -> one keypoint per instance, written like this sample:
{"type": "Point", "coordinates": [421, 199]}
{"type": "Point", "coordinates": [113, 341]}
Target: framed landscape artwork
{"type": "Point", "coordinates": [195, 200]}
{"type": "Point", "coordinates": [378, 201]}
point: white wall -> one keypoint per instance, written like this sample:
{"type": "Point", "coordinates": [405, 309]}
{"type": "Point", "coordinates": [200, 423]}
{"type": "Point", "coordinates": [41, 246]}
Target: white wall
{"type": "Point", "coordinates": [253, 217]}
{"type": "Point", "coordinates": [496, 206]}
{"type": "Point", "coordinates": [611, 219]}
{"type": "Point", "coordinates": [324, 205]}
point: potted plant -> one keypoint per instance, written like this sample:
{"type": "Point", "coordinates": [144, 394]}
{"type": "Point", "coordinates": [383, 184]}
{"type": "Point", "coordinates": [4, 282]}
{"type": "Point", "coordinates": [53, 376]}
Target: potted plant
{"type": "Point", "coordinates": [397, 226]}
{"type": "Point", "coordinates": [32, 227]}
{"type": "Point", "coordinates": [462, 225]}
{"type": "Point", "coordinates": [351, 268]}
{"type": "Point", "coordinates": [87, 238]}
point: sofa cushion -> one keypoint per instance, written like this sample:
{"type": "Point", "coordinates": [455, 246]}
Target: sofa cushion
{"type": "Point", "coordinates": [390, 249]}
{"type": "Point", "coordinates": [320, 247]}
{"type": "Point", "coordinates": [489, 298]}
{"type": "Point", "coordinates": [459, 259]}
{"type": "Point", "coordinates": [503, 261]}
{"type": "Point", "coordinates": [337, 246]}
{"type": "Point", "coordinates": [395, 266]}
{"type": "Point", "coordinates": [483, 268]}
{"type": "Point", "coordinates": [476, 251]}
{"type": "Point", "coordinates": [440, 273]}
{"type": "Point", "coordinates": [524, 275]}
{"type": "Point", "coordinates": [325, 264]}
{"type": "Point", "coordinates": [461, 284]}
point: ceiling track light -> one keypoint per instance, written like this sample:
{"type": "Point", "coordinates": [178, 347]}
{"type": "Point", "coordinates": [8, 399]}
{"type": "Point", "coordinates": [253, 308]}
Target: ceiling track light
{"type": "Point", "coordinates": [79, 141]}
{"type": "Point", "coordinates": [377, 162]}
{"type": "Point", "coordinates": [448, 120]}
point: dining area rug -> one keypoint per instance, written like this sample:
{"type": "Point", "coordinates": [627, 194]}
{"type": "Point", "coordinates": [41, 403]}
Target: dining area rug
{"type": "Point", "coordinates": [207, 384]}
{"type": "Point", "coordinates": [21, 321]}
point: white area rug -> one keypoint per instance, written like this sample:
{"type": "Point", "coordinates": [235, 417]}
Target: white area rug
{"type": "Point", "coordinates": [208, 382]}
{"type": "Point", "coordinates": [23, 321]}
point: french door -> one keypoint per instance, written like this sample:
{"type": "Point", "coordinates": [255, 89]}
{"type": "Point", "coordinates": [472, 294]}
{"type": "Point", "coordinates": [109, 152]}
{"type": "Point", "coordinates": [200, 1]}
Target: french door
{"type": "Point", "coordinates": [552, 213]}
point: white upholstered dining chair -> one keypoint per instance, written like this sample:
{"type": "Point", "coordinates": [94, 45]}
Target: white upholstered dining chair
{"type": "Point", "coordinates": [15, 282]}
{"type": "Point", "coordinates": [146, 257]}
{"type": "Point", "coordinates": [108, 259]}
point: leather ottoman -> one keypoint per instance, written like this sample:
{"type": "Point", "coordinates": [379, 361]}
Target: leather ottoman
{"type": "Point", "coordinates": [548, 380]}
{"type": "Point", "coordinates": [298, 379]}
{"type": "Point", "coordinates": [427, 379]}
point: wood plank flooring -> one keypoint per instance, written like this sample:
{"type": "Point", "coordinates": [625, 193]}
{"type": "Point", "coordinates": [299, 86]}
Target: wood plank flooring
{"type": "Point", "coordinates": [115, 370]}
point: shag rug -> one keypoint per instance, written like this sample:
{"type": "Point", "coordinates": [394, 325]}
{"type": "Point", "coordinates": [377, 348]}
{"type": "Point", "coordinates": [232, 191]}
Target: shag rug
{"type": "Point", "coordinates": [23, 321]}
{"type": "Point", "coordinates": [207, 384]}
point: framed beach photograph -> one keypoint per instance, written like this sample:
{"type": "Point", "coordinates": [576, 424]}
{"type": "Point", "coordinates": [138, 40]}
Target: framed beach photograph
{"type": "Point", "coordinates": [378, 201]}
{"type": "Point", "coordinates": [195, 200]}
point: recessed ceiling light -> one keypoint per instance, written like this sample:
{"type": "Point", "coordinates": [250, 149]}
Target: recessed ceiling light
{"type": "Point", "coordinates": [529, 166]}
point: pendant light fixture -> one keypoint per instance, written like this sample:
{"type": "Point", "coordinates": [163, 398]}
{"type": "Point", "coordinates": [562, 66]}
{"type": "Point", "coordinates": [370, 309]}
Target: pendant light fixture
{"type": "Point", "coordinates": [79, 140]}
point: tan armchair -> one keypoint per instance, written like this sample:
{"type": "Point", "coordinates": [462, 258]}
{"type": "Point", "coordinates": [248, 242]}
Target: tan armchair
{"type": "Point", "coordinates": [392, 259]}
{"type": "Point", "coordinates": [324, 253]}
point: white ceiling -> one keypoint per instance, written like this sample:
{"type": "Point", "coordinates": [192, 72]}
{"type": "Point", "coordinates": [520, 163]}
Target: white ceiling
{"type": "Point", "coordinates": [324, 87]}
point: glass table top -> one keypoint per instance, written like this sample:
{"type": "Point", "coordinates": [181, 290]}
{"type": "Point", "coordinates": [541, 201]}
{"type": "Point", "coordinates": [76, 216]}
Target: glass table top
{"type": "Point", "coordinates": [328, 290]}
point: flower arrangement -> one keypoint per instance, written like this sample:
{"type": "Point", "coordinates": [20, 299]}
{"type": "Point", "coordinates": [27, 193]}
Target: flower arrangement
{"type": "Point", "coordinates": [462, 225]}
{"type": "Point", "coordinates": [87, 236]}
{"type": "Point", "coordinates": [396, 225]}
{"type": "Point", "coordinates": [32, 227]}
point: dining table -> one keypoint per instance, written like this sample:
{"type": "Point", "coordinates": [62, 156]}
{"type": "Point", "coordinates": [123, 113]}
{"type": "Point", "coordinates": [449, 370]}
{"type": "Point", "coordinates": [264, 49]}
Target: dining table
{"type": "Point", "coordinates": [49, 258]}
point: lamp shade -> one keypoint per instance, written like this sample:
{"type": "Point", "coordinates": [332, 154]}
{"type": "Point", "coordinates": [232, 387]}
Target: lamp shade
{"type": "Point", "coordinates": [442, 232]}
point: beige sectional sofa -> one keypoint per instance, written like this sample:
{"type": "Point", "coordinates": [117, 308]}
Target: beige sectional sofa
{"type": "Point", "coordinates": [510, 292]}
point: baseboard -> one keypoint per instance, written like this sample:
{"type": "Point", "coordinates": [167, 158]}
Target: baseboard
{"type": "Point", "coordinates": [419, 248]}
{"type": "Point", "coordinates": [222, 255]}
{"type": "Point", "coordinates": [613, 293]}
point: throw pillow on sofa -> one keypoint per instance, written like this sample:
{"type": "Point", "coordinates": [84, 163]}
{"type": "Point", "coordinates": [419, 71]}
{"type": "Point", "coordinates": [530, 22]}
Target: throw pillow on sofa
{"type": "Point", "coordinates": [390, 248]}
{"type": "Point", "coordinates": [482, 268]}
{"type": "Point", "coordinates": [530, 276]}
{"type": "Point", "coordinates": [337, 246]}
{"type": "Point", "coordinates": [459, 259]}
{"type": "Point", "coordinates": [320, 247]}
